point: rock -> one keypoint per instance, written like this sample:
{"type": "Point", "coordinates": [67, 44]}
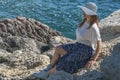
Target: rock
{"type": "Point", "coordinates": [49, 52]}
{"type": "Point", "coordinates": [20, 64]}
{"type": "Point", "coordinates": [110, 26]}
{"type": "Point", "coordinates": [13, 43]}
{"type": "Point", "coordinates": [27, 28]}
{"type": "Point", "coordinates": [91, 75]}
{"type": "Point", "coordinates": [111, 66]}
{"type": "Point", "coordinates": [20, 57]}
{"type": "Point", "coordinates": [28, 59]}
{"type": "Point", "coordinates": [3, 55]}
{"type": "Point", "coordinates": [60, 75]}
{"type": "Point", "coordinates": [22, 43]}
{"type": "Point", "coordinates": [59, 40]}
{"type": "Point", "coordinates": [107, 47]}
{"type": "Point", "coordinates": [110, 30]}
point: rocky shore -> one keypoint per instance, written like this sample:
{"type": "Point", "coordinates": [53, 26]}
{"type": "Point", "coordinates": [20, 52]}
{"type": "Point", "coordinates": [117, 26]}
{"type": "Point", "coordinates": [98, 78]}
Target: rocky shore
{"type": "Point", "coordinates": [27, 45]}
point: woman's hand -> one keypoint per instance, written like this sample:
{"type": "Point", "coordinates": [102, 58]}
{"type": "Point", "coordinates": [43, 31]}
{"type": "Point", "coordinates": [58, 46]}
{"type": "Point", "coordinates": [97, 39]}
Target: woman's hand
{"type": "Point", "coordinates": [90, 63]}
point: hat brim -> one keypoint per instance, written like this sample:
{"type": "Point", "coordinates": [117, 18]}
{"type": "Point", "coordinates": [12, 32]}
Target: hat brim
{"type": "Point", "coordinates": [87, 11]}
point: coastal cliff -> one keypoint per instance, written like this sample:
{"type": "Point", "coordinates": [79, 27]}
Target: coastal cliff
{"type": "Point", "coordinates": [27, 45]}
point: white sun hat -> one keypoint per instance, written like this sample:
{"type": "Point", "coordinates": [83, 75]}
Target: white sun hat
{"type": "Point", "coordinates": [90, 8]}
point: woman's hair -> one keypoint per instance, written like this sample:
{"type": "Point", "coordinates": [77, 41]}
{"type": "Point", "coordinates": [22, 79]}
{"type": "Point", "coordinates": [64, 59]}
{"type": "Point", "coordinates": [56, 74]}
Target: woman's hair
{"type": "Point", "coordinates": [94, 19]}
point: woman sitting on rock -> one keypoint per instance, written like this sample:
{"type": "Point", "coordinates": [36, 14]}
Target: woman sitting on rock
{"type": "Point", "coordinates": [84, 52]}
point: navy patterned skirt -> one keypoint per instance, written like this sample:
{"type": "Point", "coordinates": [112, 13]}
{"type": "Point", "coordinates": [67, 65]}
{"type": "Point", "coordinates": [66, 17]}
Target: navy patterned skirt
{"type": "Point", "coordinates": [77, 56]}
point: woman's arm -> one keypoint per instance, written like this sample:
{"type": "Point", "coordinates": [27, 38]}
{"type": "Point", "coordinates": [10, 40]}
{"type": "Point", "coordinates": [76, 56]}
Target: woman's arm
{"type": "Point", "coordinates": [97, 53]}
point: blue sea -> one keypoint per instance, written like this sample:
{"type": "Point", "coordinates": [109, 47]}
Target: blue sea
{"type": "Point", "coordinates": [61, 15]}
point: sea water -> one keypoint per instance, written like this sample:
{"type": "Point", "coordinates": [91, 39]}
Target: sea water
{"type": "Point", "coordinates": [61, 15]}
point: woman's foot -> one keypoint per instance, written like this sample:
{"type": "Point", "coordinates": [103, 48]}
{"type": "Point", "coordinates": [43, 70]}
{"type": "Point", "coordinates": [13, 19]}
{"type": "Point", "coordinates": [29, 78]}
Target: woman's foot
{"type": "Point", "coordinates": [41, 75]}
{"type": "Point", "coordinates": [47, 68]}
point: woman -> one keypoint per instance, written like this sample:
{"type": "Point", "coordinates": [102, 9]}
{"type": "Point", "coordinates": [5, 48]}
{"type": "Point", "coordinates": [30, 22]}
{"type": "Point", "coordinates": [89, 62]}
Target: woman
{"type": "Point", "coordinates": [83, 52]}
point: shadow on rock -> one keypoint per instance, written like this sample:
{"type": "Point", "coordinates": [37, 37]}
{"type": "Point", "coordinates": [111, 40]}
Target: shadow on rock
{"type": "Point", "coordinates": [111, 65]}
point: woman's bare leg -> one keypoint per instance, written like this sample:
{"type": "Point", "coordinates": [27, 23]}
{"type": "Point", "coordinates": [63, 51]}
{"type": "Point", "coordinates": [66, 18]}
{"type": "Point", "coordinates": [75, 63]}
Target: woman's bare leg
{"type": "Point", "coordinates": [58, 52]}
{"type": "Point", "coordinates": [52, 70]}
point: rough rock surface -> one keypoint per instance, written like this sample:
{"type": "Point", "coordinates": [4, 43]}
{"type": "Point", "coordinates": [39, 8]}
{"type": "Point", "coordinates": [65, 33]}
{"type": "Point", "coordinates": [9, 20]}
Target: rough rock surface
{"type": "Point", "coordinates": [110, 30]}
{"type": "Point", "coordinates": [60, 75]}
{"type": "Point", "coordinates": [24, 46]}
{"type": "Point", "coordinates": [26, 27]}
{"type": "Point", "coordinates": [111, 66]}
{"type": "Point", "coordinates": [13, 43]}
{"type": "Point", "coordinates": [110, 26]}
{"type": "Point", "coordinates": [20, 64]}
{"type": "Point", "coordinates": [91, 75]}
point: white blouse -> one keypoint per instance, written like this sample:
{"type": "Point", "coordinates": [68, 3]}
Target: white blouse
{"type": "Point", "coordinates": [88, 36]}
